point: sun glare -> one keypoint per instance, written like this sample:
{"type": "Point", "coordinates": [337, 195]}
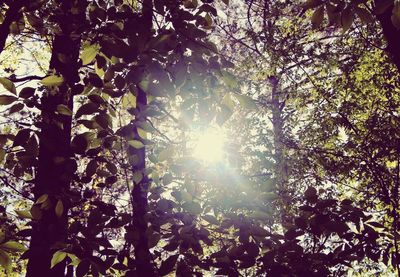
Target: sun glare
{"type": "Point", "coordinates": [209, 145]}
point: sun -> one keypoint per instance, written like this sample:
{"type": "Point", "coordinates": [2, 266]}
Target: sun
{"type": "Point", "coordinates": [209, 145]}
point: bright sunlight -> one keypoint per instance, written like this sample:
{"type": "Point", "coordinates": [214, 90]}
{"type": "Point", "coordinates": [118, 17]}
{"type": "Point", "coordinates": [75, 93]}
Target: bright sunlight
{"type": "Point", "coordinates": [209, 145]}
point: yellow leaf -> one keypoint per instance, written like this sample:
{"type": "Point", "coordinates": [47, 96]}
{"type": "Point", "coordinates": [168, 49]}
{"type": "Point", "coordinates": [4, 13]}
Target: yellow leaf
{"type": "Point", "coordinates": [24, 214]}
{"type": "Point", "coordinates": [59, 208]}
{"type": "Point", "coordinates": [136, 144]}
{"type": "Point", "coordinates": [89, 53]}
{"type": "Point", "coordinates": [52, 81]}
{"type": "Point", "coordinates": [8, 85]}
{"type": "Point", "coordinates": [142, 133]}
{"type": "Point", "coordinates": [58, 257]}
{"type": "Point", "coordinates": [13, 246]}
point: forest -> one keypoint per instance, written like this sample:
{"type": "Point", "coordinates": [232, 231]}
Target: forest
{"type": "Point", "coordinates": [199, 138]}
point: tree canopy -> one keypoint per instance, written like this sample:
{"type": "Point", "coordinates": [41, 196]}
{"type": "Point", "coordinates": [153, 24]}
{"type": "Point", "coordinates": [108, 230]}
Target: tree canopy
{"type": "Point", "coordinates": [199, 138]}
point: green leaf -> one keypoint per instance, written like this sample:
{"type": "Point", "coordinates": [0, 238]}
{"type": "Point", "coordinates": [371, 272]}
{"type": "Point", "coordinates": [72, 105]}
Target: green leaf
{"type": "Point", "coordinates": [13, 246]}
{"type": "Point", "coordinates": [246, 101]}
{"type": "Point", "coordinates": [64, 110]}
{"type": "Point", "coordinates": [24, 213]}
{"type": "Point", "coordinates": [8, 85]}
{"type": "Point", "coordinates": [7, 99]}
{"type": "Point", "coordinates": [52, 81]}
{"type": "Point", "coordinates": [136, 144]}
{"type": "Point", "coordinates": [137, 177]}
{"type": "Point", "coordinates": [59, 208]}
{"type": "Point", "coordinates": [89, 53]}
{"type": "Point", "coordinates": [57, 258]}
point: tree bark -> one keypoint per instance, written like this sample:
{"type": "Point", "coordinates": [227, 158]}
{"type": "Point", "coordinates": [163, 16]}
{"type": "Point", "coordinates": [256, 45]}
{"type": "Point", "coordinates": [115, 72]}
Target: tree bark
{"type": "Point", "coordinates": [280, 172]}
{"type": "Point", "coordinates": [391, 33]}
{"type": "Point", "coordinates": [56, 165]}
{"type": "Point", "coordinates": [12, 14]}
{"type": "Point", "coordinates": [143, 260]}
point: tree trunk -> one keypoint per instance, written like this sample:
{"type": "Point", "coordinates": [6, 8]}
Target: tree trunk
{"type": "Point", "coordinates": [143, 260]}
{"type": "Point", "coordinates": [12, 14]}
{"type": "Point", "coordinates": [280, 172]}
{"type": "Point", "coordinates": [56, 165]}
{"type": "Point", "coordinates": [392, 35]}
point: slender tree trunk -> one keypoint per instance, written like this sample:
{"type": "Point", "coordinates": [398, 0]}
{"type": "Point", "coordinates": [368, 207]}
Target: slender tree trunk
{"type": "Point", "coordinates": [392, 34]}
{"type": "Point", "coordinates": [12, 14]}
{"type": "Point", "coordinates": [55, 165]}
{"type": "Point", "coordinates": [281, 173]}
{"type": "Point", "coordinates": [143, 260]}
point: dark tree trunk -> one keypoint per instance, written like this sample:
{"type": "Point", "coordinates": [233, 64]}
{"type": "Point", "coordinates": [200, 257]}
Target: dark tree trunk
{"type": "Point", "coordinates": [392, 35]}
{"type": "Point", "coordinates": [56, 166]}
{"type": "Point", "coordinates": [143, 260]}
{"type": "Point", "coordinates": [12, 14]}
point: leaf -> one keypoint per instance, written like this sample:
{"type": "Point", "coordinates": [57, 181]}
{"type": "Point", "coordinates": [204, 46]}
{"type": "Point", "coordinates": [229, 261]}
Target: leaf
{"type": "Point", "coordinates": [8, 85]}
{"type": "Point", "coordinates": [229, 79]}
{"type": "Point", "coordinates": [142, 133]}
{"type": "Point", "coordinates": [317, 17]}
{"type": "Point", "coordinates": [87, 109]}
{"type": "Point", "coordinates": [167, 179]}
{"type": "Point", "coordinates": [346, 19]}
{"type": "Point", "coordinates": [136, 144]}
{"type": "Point", "coordinates": [2, 154]}
{"type": "Point", "coordinates": [168, 265]}
{"type": "Point", "coordinates": [5, 259]}
{"type": "Point", "coordinates": [396, 15]}
{"type": "Point", "coordinates": [211, 219]}
{"type": "Point", "coordinates": [42, 199]}
{"type": "Point", "coordinates": [310, 193]}
{"type": "Point", "coordinates": [13, 246]}
{"type": "Point", "coordinates": [364, 15]}
{"type": "Point", "coordinates": [52, 81]}
{"type": "Point", "coordinates": [192, 207]}
{"type": "Point", "coordinates": [246, 101]}
{"type": "Point", "coordinates": [57, 258]}
{"type": "Point", "coordinates": [24, 213]}
{"type": "Point", "coordinates": [89, 53]}
{"type": "Point", "coordinates": [129, 101]}
{"type": "Point", "coordinates": [64, 110]}
{"type": "Point", "coordinates": [59, 208]}
{"type": "Point", "coordinates": [26, 92]}
{"type": "Point", "coordinates": [7, 99]}
{"type": "Point", "coordinates": [137, 177]}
